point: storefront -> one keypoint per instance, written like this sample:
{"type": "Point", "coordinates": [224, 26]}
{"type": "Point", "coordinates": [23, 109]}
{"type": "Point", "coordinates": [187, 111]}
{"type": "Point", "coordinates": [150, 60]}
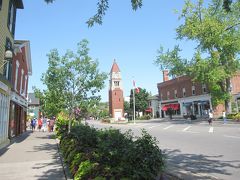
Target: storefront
{"type": "Point", "coordinates": [4, 114]}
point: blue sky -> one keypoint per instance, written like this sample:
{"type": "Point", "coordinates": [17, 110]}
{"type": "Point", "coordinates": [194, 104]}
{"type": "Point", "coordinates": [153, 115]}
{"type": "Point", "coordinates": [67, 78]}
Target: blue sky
{"type": "Point", "coordinates": [130, 37]}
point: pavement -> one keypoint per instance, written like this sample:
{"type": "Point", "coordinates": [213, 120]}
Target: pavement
{"type": "Point", "coordinates": [32, 156]}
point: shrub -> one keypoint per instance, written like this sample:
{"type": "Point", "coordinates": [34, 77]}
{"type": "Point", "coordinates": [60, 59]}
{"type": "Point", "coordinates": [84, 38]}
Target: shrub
{"type": "Point", "coordinates": [230, 116]}
{"type": "Point", "coordinates": [145, 159]}
{"type": "Point", "coordinates": [236, 117]}
{"type": "Point", "coordinates": [110, 154]}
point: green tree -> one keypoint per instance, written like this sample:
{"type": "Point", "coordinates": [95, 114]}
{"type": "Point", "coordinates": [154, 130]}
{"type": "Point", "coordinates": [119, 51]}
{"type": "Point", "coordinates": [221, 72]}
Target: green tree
{"type": "Point", "coordinates": [141, 100]}
{"type": "Point", "coordinates": [127, 108]}
{"type": "Point", "coordinates": [216, 60]}
{"type": "Point", "coordinates": [103, 5]}
{"type": "Point", "coordinates": [72, 81]}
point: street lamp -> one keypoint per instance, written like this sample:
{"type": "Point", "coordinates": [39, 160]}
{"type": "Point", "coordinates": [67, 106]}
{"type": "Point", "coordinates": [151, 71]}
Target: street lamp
{"type": "Point", "coordinates": [7, 57]}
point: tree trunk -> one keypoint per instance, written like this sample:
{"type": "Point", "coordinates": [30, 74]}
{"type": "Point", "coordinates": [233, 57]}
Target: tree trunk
{"type": "Point", "coordinates": [228, 106]}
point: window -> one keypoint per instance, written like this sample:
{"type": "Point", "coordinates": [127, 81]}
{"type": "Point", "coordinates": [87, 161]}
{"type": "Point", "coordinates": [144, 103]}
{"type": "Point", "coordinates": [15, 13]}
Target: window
{"type": "Point", "coordinates": [168, 94]}
{"type": "Point", "coordinates": [11, 17]}
{"type": "Point", "coordinates": [193, 90]}
{"type": "Point", "coordinates": [116, 83]}
{"type": "Point", "coordinates": [25, 86]}
{"type": "Point", "coordinates": [21, 90]}
{"type": "Point", "coordinates": [0, 4]}
{"type": "Point", "coordinates": [184, 92]}
{"type": "Point", "coordinates": [16, 75]}
{"type": "Point", "coordinates": [204, 90]}
{"type": "Point", "coordinates": [175, 93]}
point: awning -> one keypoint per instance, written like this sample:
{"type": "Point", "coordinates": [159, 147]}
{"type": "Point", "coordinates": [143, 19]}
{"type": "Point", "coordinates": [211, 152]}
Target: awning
{"type": "Point", "coordinates": [148, 110]}
{"type": "Point", "coordinates": [172, 106]}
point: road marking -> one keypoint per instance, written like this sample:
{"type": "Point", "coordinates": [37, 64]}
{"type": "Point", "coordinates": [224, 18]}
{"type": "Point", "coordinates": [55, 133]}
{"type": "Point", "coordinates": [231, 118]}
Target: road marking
{"type": "Point", "coordinates": [236, 137]}
{"type": "Point", "coordinates": [185, 129]}
{"type": "Point", "coordinates": [168, 127]}
{"type": "Point", "coordinates": [154, 126]}
{"type": "Point", "coordinates": [211, 130]}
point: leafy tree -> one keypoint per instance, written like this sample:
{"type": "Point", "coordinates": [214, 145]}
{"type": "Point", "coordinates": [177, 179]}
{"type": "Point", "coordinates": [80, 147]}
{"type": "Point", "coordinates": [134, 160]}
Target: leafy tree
{"type": "Point", "coordinates": [127, 108]}
{"type": "Point", "coordinates": [72, 81]}
{"type": "Point", "coordinates": [216, 59]}
{"type": "Point", "coordinates": [141, 100]}
{"type": "Point", "coordinates": [103, 5]}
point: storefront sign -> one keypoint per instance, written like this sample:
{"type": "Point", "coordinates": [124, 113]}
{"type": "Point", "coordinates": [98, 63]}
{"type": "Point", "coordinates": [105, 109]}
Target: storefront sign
{"type": "Point", "coordinates": [18, 99]}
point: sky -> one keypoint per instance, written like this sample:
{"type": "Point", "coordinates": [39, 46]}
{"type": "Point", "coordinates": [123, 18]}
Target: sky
{"type": "Point", "coordinates": [130, 37]}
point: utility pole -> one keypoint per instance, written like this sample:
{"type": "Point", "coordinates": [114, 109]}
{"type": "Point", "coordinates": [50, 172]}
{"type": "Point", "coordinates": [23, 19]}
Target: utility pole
{"type": "Point", "coordinates": [134, 106]}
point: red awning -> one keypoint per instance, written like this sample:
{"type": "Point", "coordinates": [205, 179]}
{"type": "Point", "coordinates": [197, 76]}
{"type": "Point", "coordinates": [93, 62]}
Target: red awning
{"type": "Point", "coordinates": [172, 106]}
{"type": "Point", "coordinates": [148, 110]}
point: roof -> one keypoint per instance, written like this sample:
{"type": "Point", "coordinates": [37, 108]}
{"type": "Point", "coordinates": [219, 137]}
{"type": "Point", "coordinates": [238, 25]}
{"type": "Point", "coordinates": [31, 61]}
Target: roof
{"type": "Point", "coordinates": [115, 67]}
{"type": "Point", "coordinates": [32, 100]}
{"type": "Point", "coordinates": [24, 43]}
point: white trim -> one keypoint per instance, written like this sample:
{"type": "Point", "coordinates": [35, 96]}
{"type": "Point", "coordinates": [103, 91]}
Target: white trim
{"type": "Point", "coordinates": [16, 75]}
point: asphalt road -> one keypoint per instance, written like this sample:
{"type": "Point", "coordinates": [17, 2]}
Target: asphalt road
{"type": "Point", "coordinates": [194, 150]}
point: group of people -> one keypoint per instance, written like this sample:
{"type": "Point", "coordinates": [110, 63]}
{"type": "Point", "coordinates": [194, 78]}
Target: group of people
{"type": "Point", "coordinates": [43, 124]}
{"type": "Point", "coordinates": [210, 117]}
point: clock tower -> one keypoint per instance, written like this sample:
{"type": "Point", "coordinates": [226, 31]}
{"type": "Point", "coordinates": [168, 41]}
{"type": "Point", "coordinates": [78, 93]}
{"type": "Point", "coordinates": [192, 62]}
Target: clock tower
{"type": "Point", "coordinates": [116, 101]}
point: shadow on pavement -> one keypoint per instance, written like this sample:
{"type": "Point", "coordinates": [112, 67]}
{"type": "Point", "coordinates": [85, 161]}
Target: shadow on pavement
{"type": "Point", "coordinates": [198, 165]}
{"type": "Point", "coordinates": [53, 168]}
{"type": "Point", "coordinates": [17, 139]}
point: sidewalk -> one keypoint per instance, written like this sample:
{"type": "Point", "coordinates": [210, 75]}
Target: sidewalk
{"type": "Point", "coordinates": [31, 156]}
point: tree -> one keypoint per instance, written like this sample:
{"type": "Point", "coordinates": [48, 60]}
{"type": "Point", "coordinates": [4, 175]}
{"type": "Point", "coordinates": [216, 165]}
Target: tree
{"type": "Point", "coordinates": [103, 5]}
{"type": "Point", "coordinates": [141, 100]}
{"type": "Point", "coordinates": [72, 81]}
{"type": "Point", "coordinates": [216, 60]}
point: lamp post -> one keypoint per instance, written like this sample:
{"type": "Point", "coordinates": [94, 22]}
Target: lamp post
{"type": "Point", "coordinates": [7, 57]}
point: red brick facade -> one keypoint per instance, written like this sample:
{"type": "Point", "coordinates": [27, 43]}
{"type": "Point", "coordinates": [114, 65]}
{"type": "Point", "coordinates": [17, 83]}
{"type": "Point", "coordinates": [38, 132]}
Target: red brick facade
{"type": "Point", "coordinates": [190, 97]}
{"type": "Point", "coordinates": [116, 100]}
{"type": "Point", "coordinates": [21, 69]}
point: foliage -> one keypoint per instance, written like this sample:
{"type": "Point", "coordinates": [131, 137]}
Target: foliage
{"type": "Point", "coordinates": [145, 158]}
{"type": "Point", "coordinates": [73, 81]}
{"type": "Point", "coordinates": [216, 60]}
{"type": "Point", "coordinates": [236, 117]}
{"type": "Point", "coordinates": [103, 5]}
{"type": "Point", "coordinates": [145, 117]}
{"type": "Point", "coordinates": [141, 100]}
{"type": "Point", "coordinates": [105, 154]}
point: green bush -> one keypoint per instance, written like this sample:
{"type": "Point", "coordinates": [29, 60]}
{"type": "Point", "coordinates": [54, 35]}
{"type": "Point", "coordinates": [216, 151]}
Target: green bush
{"type": "Point", "coordinates": [110, 154]}
{"type": "Point", "coordinates": [230, 116]}
{"type": "Point", "coordinates": [236, 117]}
{"type": "Point", "coordinates": [145, 117]}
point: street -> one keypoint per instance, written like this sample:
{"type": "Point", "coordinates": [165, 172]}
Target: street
{"type": "Point", "coordinates": [194, 150]}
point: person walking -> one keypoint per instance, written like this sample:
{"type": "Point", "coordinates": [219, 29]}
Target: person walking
{"type": "Point", "coordinates": [224, 117]}
{"type": "Point", "coordinates": [210, 116]}
{"type": "Point", "coordinates": [44, 124]}
{"type": "Point", "coordinates": [33, 124]}
{"type": "Point", "coordinates": [39, 124]}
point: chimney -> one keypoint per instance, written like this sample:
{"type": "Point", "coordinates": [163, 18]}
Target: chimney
{"type": "Point", "coordinates": [165, 75]}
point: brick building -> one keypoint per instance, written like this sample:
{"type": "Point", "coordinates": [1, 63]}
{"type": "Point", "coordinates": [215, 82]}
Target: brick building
{"type": "Point", "coordinates": [116, 100]}
{"type": "Point", "coordinates": [185, 97]}
{"type": "Point", "coordinates": [21, 70]}
{"type": "Point", "coordinates": [8, 9]}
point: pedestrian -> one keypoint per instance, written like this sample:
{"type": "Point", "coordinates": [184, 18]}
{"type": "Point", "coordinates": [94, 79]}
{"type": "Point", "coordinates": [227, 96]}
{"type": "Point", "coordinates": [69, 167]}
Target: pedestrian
{"type": "Point", "coordinates": [210, 117]}
{"type": "Point", "coordinates": [33, 124]}
{"type": "Point", "coordinates": [44, 124]}
{"type": "Point", "coordinates": [51, 124]}
{"type": "Point", "coordinates": [39, 124]}
{"type": "Point", "coordinates": [224, 117]}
